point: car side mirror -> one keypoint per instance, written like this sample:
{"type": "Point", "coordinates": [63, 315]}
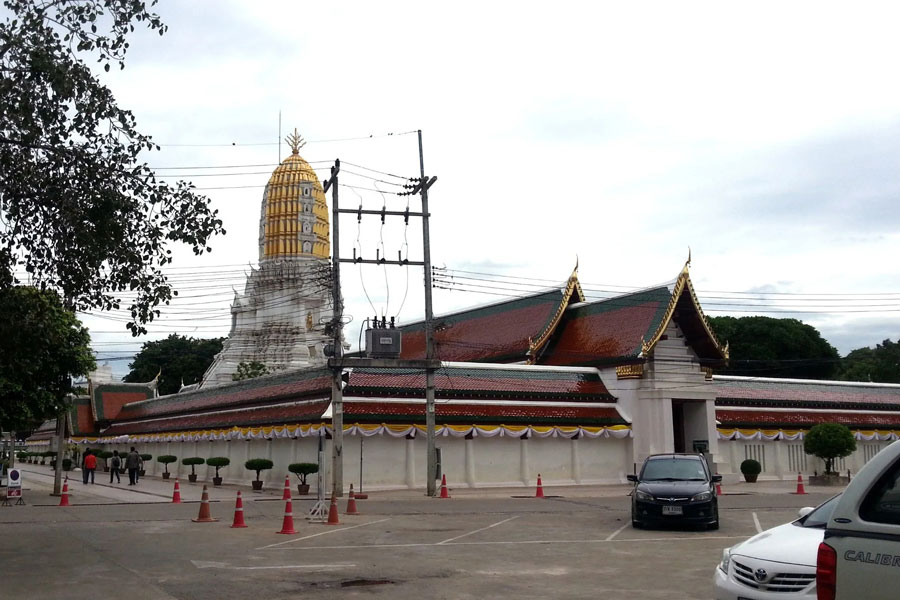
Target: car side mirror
{"type": "Point", "coordinates": [632, 478]}
{"type": "Point", "coordinates": [716, 478]}
{"type": "Point", "coordinates": [805, 511]}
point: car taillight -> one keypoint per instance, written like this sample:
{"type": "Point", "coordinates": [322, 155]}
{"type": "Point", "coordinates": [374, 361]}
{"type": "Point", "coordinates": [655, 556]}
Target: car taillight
{"type": "Point", "coordinates": [826, 572]}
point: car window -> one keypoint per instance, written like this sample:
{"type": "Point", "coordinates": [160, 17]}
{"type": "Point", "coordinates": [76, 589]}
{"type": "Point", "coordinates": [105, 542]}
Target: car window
{"type": "Point", "coordinates": [820, 515]}
{"type": "Point", "coordinates": [882, 503]}
{"type": "Point", "coordinates": [673, 468]}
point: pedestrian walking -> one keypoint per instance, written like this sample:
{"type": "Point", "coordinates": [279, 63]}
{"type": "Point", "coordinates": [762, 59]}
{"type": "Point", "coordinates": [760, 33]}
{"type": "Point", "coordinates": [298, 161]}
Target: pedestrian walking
{"type": "Point", "coordinates": [133, 463]}
{"type": "Point", "coordinates": [115, 464]}
{"type": "Point", "coordinates": [89, 466]}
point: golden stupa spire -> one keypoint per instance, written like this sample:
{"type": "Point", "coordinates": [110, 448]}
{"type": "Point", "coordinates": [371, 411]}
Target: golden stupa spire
{"type": "Point", "coordinates": [295, 141]}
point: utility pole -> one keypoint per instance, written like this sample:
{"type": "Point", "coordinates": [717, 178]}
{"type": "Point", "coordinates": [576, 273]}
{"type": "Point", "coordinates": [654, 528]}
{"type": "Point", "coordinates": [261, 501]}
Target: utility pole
{"type": "Point", "coordinates": [337, 394]}
{"type": "Point", "coordinates": [431, 461]}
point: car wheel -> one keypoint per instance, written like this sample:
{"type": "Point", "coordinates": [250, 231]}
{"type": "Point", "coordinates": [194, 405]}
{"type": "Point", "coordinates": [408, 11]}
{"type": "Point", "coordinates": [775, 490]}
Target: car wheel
{"type": "Point", "coordinates": [715, 524]}
{"type": "Point", "coordinates": [636, 524]}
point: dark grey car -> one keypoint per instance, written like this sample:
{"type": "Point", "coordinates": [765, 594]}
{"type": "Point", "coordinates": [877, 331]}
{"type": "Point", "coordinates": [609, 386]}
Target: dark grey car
{"type": "Point", "coordinates": [675, 488]}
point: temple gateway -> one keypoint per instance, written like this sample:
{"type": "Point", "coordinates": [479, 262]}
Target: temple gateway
{"type": "Point", "coordinates": [580, 392]}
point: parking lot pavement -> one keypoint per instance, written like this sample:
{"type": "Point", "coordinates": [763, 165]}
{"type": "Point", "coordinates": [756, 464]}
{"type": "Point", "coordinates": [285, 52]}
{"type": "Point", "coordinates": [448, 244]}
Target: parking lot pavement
{"type": "Point", "coordinates": [403, 545]}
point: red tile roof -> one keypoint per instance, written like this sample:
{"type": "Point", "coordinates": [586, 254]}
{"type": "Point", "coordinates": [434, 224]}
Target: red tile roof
{"type": "Point", "coordinates": [754, 391]}
{"type": "Point", "coordinates": [499, 413]}
{"type": "Point", "coordinates": [495, 333]}
{"type": "Point", "coordinates": [608, 331]}
{"type": "Point", "coordinates": [729, 417]}
{"type": "Point", "coordinates": [81, 418]}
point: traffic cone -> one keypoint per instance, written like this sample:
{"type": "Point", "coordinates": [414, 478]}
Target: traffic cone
{"type": "Point", "coordinates": [287, 526]}
{"type": "Point", "coordinates": [64, 499]}
{"type": "Point", "coordinates": [333, 512]}
{"type": "Point", "coordinates": [540, 488]}
{"type": "Point", "coordinates": [287, 488]}
{"type": "Point", "coordinates": [800, 489]}
{"type": "Point", "coordinates": [351, 503]}
{"type": "Point", "coordinates": [239, 512]}
{"type": "Point", "coordinates": [718, 487]}
{"type": "Point", "coordinates": [444, 493]}
{"type": "Point", "coordinates": [176, 493]}
{"type": "Point", "coordinates": [204, 516]}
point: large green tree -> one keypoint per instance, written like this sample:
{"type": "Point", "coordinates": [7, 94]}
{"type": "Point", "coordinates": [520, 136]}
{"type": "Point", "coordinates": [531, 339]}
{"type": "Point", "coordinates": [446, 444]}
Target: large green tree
{"type": "Point", "coordinates": [80, 211]}
{"type": "Point", "coordinates": [767, 347]}
{"type": "Point", "coordinates": [175, 359]}
{"type": "Point", "coordinates": [879, 364]}
{"type": "Point", "coordinates": [829, 441]}
{"type": "Point", "coordinates": [43, 347]}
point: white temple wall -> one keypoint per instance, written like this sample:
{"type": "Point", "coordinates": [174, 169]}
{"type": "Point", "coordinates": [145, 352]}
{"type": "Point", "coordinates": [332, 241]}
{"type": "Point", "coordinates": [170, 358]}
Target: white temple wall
{"type": "Point", "coordinates": [399, 463]}
{"type": "Point", "coordinates": [783, 459]}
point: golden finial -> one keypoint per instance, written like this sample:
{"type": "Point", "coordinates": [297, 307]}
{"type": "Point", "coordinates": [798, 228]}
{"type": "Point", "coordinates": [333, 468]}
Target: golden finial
{"type": "Point", "coordinates": [688, 263]}
{"type": "Point", "coordinates": [295, 141]}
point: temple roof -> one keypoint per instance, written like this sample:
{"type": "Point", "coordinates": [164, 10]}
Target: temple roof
{"type": "Point", "coordinates": [773, 392]}
{"type": "Point", "coordinates": [107, 399]}
{"type": "Point", "coordinates": [510, 331]}
{"type": "Point", "coordinates": [805, 419]}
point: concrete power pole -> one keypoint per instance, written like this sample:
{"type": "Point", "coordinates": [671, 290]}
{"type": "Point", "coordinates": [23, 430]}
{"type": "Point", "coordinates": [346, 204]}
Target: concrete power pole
{"type": "Point", "coordinates": [337, 394]}
{"type": "Point", "coordinates": [431, 460]}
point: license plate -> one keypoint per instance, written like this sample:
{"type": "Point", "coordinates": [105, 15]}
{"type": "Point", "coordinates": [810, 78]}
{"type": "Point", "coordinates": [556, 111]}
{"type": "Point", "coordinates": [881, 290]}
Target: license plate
{"type": "Point", "coordinates": [672, 510]}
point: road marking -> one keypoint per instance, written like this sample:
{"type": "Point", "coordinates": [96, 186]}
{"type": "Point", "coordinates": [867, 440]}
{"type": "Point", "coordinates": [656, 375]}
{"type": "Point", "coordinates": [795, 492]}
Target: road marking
{"type": "Point", "coordinates": [615, 533]}
{"type": "Point", "coordinates": [518, 542]}
{"type": "Point", "coordinates": [477, 530]}
{"type": "Point", "coordinates": [306, 537]}
{"type": "Point", "coordinates": [202, 564]}
{"type": "Point", "coordinates": [759, 528]}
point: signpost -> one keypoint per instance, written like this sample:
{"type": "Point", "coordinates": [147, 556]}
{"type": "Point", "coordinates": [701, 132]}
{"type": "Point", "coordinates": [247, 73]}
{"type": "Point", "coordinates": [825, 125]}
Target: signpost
{"type": "Point", "coordinates": [14, 487]}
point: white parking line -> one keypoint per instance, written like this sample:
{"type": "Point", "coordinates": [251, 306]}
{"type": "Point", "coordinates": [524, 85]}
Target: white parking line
{"type": "Point", "coordinates": [306, 537]}
{"type": "Point", "coordinates": [756, 522]}
{"type": "Point", "coordinates": [201, 564]}
{"type": "Point", "coordinates": [477, 530]}
{"type": "Point", "coordinates": [518, 542]}
{"type": "Point", "coordinates": [615, 533]}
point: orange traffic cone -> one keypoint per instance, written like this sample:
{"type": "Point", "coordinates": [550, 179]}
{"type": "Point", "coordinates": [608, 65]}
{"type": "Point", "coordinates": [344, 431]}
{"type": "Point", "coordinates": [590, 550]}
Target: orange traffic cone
{"type": "Point", "coordinates": [287, 525]}
{"type": "Point", "coordinates": [287, 488]}
{"type": "Point", "coordinates": [64, 499]}
{"type": "Point", "coordinates": [204, 516]}
{"type": "Point", "coordinates": [176, 493]}
{"type": "Point", "coordinates": [444, 493]}
{"type": "Point", "coordinates": [800, 488]}
{"type": "Point", "coordinates": [332, 512]}
{"type": "Point", "coordinates": [239, 512]}
{"type": "Point", "coordinates": [718, 487]}
{"type": "Point", "coordinates": [540, 488]}
{"type": "Point", "coordinates": [351, 503]}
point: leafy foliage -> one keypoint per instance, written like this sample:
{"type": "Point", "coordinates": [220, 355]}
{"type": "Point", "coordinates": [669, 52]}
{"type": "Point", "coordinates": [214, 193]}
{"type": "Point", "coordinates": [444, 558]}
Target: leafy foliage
{"type": "Point", "coordinates": [42, 346]}
{"type": "Point", "coordinates": [829, 441]}
{"type": "Point", "coordinates": [175, 359]}
{"type": "Point", "coordinates": [258, 464]}
{"type": "Point", "coordinates": [879, 364]}
{"type": "Point", "coordinates": [166, 460]}
{"type": "Point", "coordinates": [217, 462]}
{"type": "Point", "coordinates": [193, 460]}
{"type": "Point", "coordinates": [70, 163]}
{"type": "Point", "coordinates": [751, 467]}
{"type": "Point", "coordinates": [767, 347]}
{"type": "Point", "coordinates": [249, 370]}
{"type": "Point", "coordinates": [301, 470]}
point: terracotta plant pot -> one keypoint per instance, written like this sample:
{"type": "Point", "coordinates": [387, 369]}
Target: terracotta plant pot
{"type": "Point", "coordinates": [217, 481]}
{"type": "Point", "coordinates": [303, 489]}
{"type": "Point", "coordinates": [192, 478]}
{"type": "Point", "coordinates": [165, 475]}
{"type": "Point", "coordinates": [257, 485]}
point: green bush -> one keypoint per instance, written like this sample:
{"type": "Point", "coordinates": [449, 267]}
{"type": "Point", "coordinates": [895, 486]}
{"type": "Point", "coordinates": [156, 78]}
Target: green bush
{"type": "Point", "coordinates": [166, 460]}
{"type": "Point", "coordinates": [218, 461]}
{"type": "Point", "coordinates": [301, 470]}
{"type": "Point", "coordinates": [192, 460]}
{"type": "Point", "coordinates": [258, 464]}
{"type": "Point", "coordinates": [104, 454]}
{"type": "Point", "coordinates": [751, 467]}
{"type": "Point", "coordinates": [146, 457]}
{"type": "Point", "coordinates": [829, 441]}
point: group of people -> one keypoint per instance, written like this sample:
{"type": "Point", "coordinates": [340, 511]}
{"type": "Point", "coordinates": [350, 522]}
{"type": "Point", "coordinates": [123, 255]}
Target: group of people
{"type": "Point", "coordinates": [133, 462]}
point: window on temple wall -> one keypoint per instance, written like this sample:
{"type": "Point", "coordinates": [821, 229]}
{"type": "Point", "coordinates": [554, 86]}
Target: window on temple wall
{"type": "Point", "coordinates": [757, 452]}
{"type": "Point", "coordinates": [307, 228]}
{"type": "Point", "coordinates": [307, 247]}
{"type": "Point", "coordinates": [306, 192]}
{"type": "Point", "coordinates": [796, 458]}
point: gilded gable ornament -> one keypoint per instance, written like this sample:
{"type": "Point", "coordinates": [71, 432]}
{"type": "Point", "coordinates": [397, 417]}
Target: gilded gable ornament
{"type": "Point", "coordinates": [295, 141]}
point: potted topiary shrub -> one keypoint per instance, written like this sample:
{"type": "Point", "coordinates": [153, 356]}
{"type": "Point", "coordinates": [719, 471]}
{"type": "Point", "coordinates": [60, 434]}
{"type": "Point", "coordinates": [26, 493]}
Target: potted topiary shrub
{"type": "Point", "coordinates": [144, 458]}
{"type": "Point", "coordinates": [218, 461]}
{"type": "Point", "coordinates": [192, 460]}
{"type": "Point", "coordinates": [166, 460]}
{"type": "Point", "coordinates": [301, 470]}
{"type": "Point", "coordinates": [751, 470]}
{"type": "Point", "coordinates": [258, 464]}
{"type": "Point", "coordinates": [105, 455]}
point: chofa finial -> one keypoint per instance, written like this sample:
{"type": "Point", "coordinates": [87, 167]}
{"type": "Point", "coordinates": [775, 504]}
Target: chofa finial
{"type": "Point", "coordinates": [688, 263]}
{"type": "Point", "coordinates": [295, 141]}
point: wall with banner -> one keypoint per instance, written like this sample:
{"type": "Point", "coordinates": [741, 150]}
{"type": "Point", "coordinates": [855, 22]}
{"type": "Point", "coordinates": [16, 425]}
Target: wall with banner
{"type": "Point", "coordinates": [393, 456]}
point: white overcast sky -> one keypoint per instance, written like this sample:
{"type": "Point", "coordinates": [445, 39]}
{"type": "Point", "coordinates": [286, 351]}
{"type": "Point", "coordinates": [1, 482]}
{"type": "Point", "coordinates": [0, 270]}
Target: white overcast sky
{"type": "Point", "coordinates": [762, 136]}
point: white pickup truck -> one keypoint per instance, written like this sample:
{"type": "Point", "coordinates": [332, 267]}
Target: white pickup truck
{"type": "Point", "coordinates": [860, 555]}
